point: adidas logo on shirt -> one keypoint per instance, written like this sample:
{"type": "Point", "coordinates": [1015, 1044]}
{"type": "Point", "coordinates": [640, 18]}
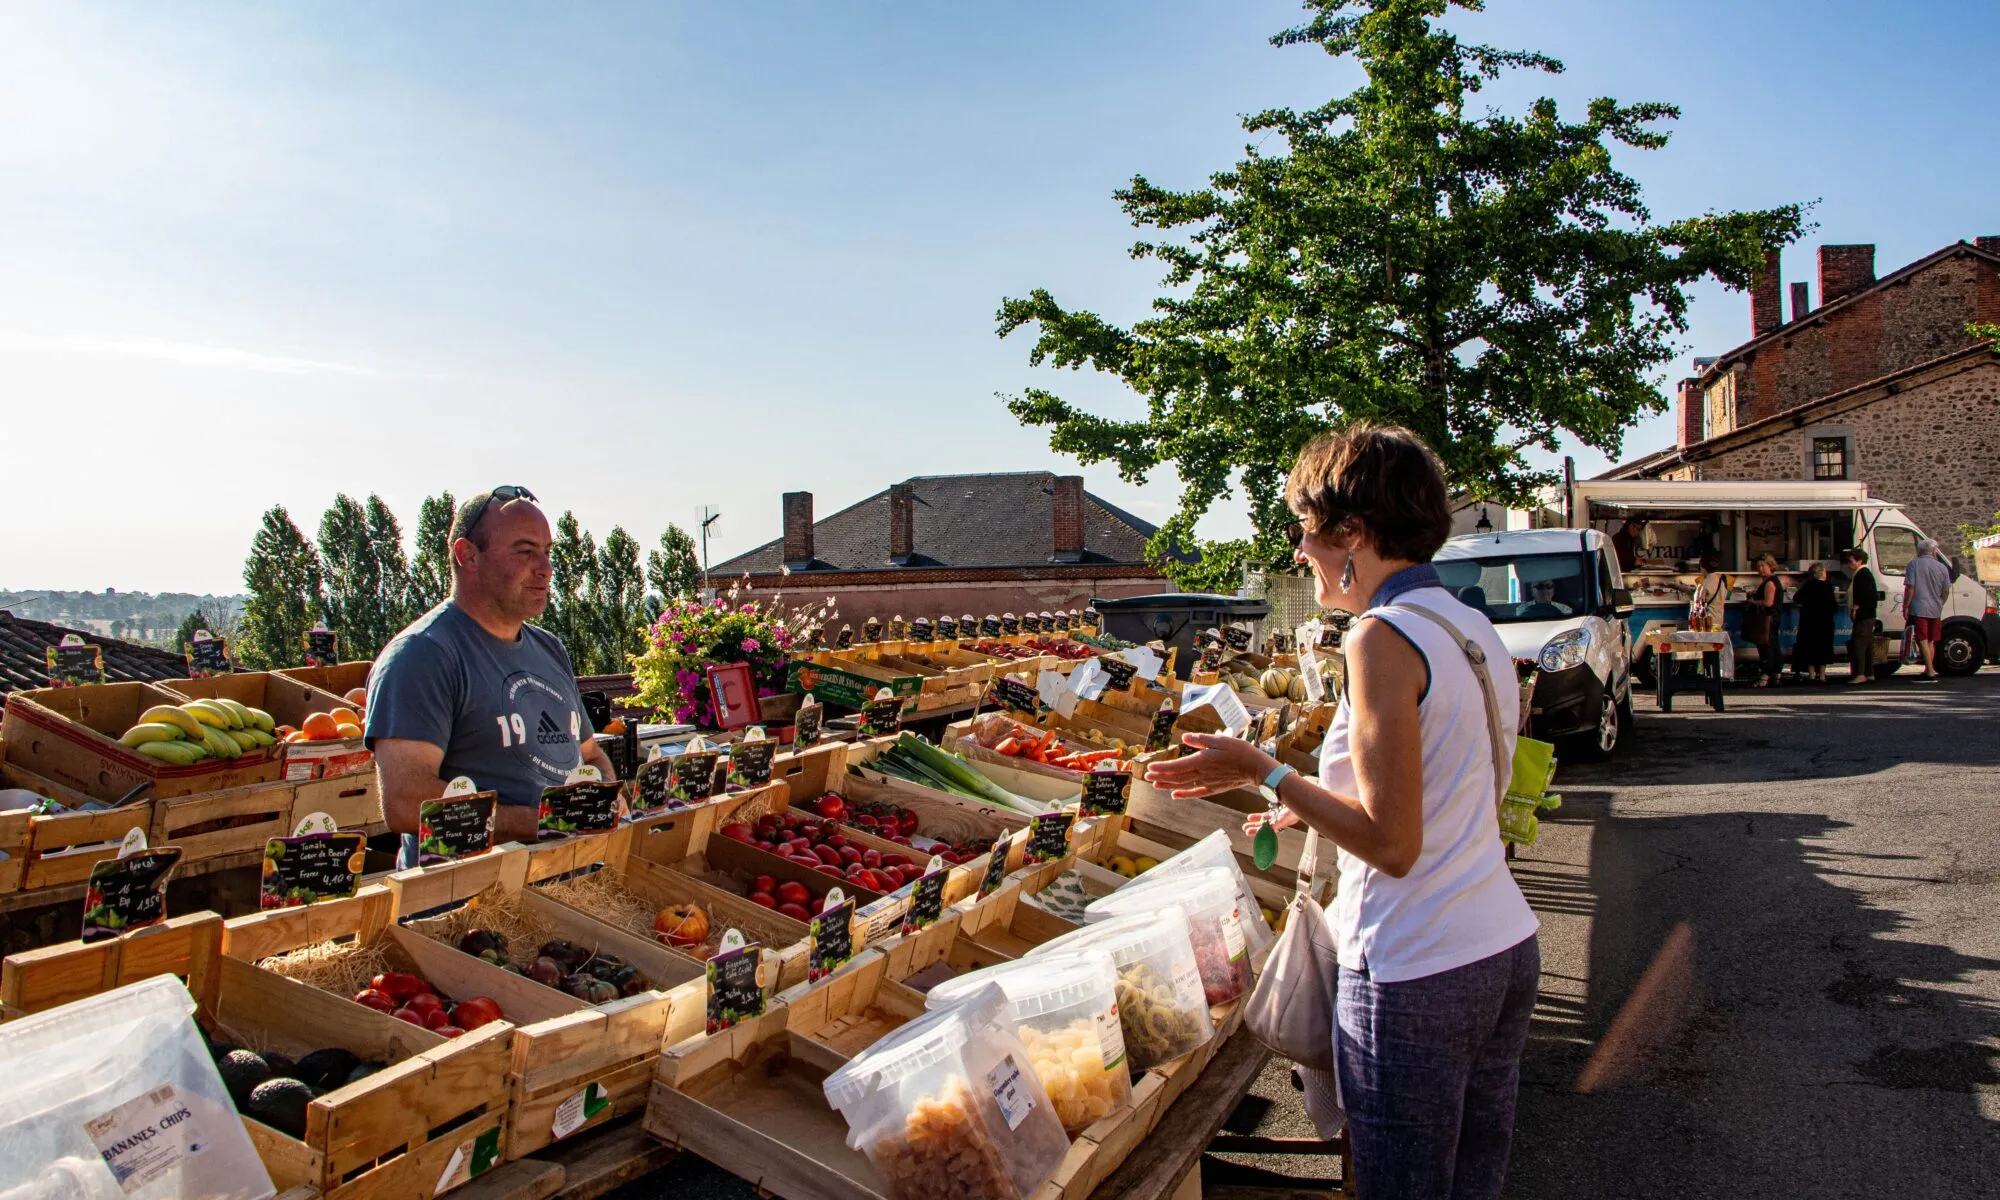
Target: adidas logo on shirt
{"type": "Point", "coordinates": [548, 733]}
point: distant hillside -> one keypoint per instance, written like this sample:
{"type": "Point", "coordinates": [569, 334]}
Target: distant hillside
{"type": "Point", "coordinates": [135, 616]}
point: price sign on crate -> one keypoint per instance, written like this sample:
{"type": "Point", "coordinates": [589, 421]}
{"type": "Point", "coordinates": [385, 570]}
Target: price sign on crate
{"type": "Point", "coordinates": [208, 655]}
{"type": "Point", "coordinates": [73, 662]}
{"type": "Point", "coordinates": [457, 824]}
{"type": "Point", "coordinates": [128, 893]}
{"type": "Point", "coordinates": [309, 869]}
{"type": "Point", "coordinates": [322, 647]}
{"type": "Point", "coordinates": [734, 995]}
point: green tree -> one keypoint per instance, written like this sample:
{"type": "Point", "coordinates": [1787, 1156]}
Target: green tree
{"type": "Point", "coordinates": [572, 556]}
{"type": "Point", "coordinates": [393, 601]}
{"type": "Point", "coordinates": [1490, 281]}
{"type": "Point", "coordinates": [616, 587]}
{"type": "Point", "coordinates": [212, 616]}
{"type": "Point", "coordinates": [672, 570]}
{"type": "Point", "coordinates": [430, 570]}
{"type": "Point", "coordinates": [353, 578]}
{"type": "Point", "coordinates": [286, 586]}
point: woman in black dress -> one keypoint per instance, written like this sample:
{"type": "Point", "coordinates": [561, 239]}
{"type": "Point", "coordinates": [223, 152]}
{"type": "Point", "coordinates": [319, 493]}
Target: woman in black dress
{"type": "Point", "coordinates": [1814, 647]}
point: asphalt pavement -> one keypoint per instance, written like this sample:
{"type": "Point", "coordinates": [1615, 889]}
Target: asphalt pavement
{"type": "Point", "coordinates": [1771, 955]}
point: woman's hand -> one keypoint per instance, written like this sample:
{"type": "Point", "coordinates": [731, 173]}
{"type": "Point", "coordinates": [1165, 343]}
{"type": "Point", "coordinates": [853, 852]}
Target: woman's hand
{"type": "Point", "coordinates": [1218, 764]}
{"type": "Point", "coordinates": [1283, 818]}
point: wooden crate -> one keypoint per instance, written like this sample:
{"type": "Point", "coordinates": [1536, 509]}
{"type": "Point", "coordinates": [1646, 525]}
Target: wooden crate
{"type": "Point", "coordinates": [57, 849]}
{"type": "Point", "coordinates": [217, 824]}
{"type": "Point", "coordinates": [390, 1134]}
{"type": "Point", "coordinates": [353, 801]}
{"type": "Point", "coordinates": [562, 1048]}
{"type": "Point", "coordinates": [70, 736]}
{"type": "Point", "coordinates": [289, 701]}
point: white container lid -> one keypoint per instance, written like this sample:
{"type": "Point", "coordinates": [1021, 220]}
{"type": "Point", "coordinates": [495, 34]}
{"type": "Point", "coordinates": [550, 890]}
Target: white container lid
{"type": "Point", "coordinates": [1125, 939]}
{"type": "Point", "coordinates": [1208, 890]}
{"type": "Point", "coordinates": [911, 1047]}
{"type": "Point", "coordinates": [1036, 985]}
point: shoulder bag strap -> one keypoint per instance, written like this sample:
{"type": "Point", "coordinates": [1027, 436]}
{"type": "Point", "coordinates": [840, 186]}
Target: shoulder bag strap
{"type": "Point", "coordinates": [1503, 771]}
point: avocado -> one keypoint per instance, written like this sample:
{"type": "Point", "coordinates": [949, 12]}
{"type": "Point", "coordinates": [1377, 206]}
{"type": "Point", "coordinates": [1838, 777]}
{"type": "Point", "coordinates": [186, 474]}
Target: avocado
{"type": "Point", "coordinates": [281, 1104]}
{"type": "Point", "coordinates": [281, 1065]}
{"type": "Point", "coordinates": [328, 1068]}
{"type": "Point", "coordinates": [242, 1071]}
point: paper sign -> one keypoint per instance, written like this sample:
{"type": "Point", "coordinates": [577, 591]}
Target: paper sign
{"type": "Point", "coordinates": [322, 647]}
{"type": "Point", "coordinates": [926, 899]}
{"type": "Point", "coordinates": [880, 718]}
{"type": "Point", "coordinates": [1048, 837]}
{"type": "Point", "coordinates": [207, 655]}
{"type": "Point", "coordinates": [455, 826]}
{"type": "Point", "coordinates": [1104, 792]}
{"type": "Point", "coordinates": [734, 994]}
{"type": "Point", "coordinates": [579, 1109]}
{"type": "Point", "coordinates": [127, 893]}
{"type": "Point", "coordinates": [587, 806]}
{"type": "Point", "coordinates": [830, 937]}
{"type": "Point", "coordinates": [1089, 680]}
{"type": "Point", "coordinates": [1309, 676]}
{"type": "Point", "coordinates": [73, 663]}
{"type": "Point", "coordinates": [805, 730]}
{"type": "Point", "coordinates": [1054, 691]}
{"type": "Point", "coordinates": [1223, 699]}
{"type": "Point", "coordinates": [309, 869]}
{"type": "Point", "coordinates": [750, 762]}
{"type": "Point", "coordinates": [315, 822]}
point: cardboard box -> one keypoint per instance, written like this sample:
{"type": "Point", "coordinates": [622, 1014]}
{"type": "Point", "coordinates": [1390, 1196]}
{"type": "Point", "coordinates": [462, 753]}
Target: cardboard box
{"type": "Point", "coordinates": [70, 736]}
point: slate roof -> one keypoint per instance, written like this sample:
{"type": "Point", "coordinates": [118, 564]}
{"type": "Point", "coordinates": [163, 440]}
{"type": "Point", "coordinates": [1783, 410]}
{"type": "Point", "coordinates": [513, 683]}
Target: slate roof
{"type": "Point", "coordinates": [995, 520]}
{"type": "Point", "coordinates": [24, 645]}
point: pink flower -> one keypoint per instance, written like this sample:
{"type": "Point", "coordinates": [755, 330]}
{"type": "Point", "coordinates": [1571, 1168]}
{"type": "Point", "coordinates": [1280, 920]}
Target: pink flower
{"type": "Point", "coordinates": [752, 645]}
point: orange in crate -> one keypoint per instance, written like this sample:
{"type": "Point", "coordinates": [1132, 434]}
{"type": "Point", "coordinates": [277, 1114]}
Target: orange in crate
{"type": "Point", "coordinates": [320, 726]}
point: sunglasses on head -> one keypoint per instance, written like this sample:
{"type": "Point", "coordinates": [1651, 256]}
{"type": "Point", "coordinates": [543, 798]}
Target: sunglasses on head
{"type": "Point", "coordinates": [503, 493]}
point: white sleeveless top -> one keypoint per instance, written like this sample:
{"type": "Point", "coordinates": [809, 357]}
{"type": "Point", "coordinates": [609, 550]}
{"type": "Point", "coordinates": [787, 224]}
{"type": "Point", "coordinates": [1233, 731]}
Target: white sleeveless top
{"type": "Point", "coordinates": [1459, 904]}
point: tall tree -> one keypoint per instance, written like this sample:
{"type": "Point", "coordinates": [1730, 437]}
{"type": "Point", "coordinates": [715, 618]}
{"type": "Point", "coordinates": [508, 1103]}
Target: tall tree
{"type": "Point", "coordinates": [430, 570]}
{"type": "Point", "coordinates": [286, 583]}
{"type": "Point", "coordinates": [672, 570]}
{"type": "Point", "coordinates": [1490, 281]}
{"type": "Point", "coordinates": [571, 558]}
{"type": "Point", "coordinates": [213, 616]}
{"type": "Point", "coordinates": [617, 595]}
{"type": "Point", "coordinates": [353, 577]}
{"type": "Point", "coordinates": [385, 542]}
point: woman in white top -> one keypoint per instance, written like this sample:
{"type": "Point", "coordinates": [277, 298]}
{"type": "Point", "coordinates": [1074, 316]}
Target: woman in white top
{"type": "Point", "coordinates": [1439, 963]}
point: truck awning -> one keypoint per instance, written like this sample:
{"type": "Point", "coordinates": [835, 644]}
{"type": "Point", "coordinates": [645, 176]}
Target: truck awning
{"type": "Point", "coordinates": [1756, 505]}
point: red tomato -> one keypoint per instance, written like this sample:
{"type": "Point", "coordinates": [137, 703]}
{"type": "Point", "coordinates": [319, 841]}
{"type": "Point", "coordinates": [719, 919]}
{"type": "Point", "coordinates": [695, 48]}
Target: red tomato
{"type": "Point", "coordinates": [398, 986]}
{"type": "Point", "coordinates": [763, 900]}
{"type": "Point", "coordinates": [449, 1031]}
{"type": "Point", "coordinates": [792, 893]}
{"type": "Point", "coordinates": [425, 1002]}
{"type": "Point", "coordinates": [764, 883]}
{"type": "Point", "coordinates": [410, 1015]}
{"type": "Point", "coordinates": [434, 1017]}
{"type": "Point", "coordinates": [474, 1011]}
{"type": "Point", "coordinates": [379, 1001]}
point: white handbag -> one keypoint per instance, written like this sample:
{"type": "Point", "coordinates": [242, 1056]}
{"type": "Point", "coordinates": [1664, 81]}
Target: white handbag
{"type": "Point", "coordinates": [1291, 1008]}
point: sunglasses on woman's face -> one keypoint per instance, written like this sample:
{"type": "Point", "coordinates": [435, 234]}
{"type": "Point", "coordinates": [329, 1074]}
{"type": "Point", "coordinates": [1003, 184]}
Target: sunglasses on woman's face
{"type": "Point", "coordinates": [1295, 533]}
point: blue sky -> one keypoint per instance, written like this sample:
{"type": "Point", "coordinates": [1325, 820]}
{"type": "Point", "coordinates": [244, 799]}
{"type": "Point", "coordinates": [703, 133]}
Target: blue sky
{"type": "Point", "coordinates": [647, 257]}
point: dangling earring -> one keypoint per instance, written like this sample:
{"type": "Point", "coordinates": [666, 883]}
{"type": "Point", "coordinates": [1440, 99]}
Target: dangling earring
{"type": "Point", "coordinates": [1347, 575]}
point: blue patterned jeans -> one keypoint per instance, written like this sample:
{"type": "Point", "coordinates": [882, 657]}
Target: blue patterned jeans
{"type": "Point", "coordinates": [1429, 1072]}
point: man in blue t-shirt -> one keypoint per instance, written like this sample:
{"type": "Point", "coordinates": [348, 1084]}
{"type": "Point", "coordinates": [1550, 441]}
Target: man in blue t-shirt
{"type": "Point", "coordinates": [470, 688]}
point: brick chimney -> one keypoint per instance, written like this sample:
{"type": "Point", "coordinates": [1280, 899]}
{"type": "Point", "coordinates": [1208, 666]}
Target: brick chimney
{"type": "Point", "coordinates": [1801, 300]}
{"type": "Point", "coordinates": [1689, 413]}
{"type": "Point", "coordinates": [798, 529]}
{"type": "Point", "coordinates": [902, 522]}
{"type": "Point", "coordinates": [1068, 521]}
{"type": "Point", "coordinates": [1844, 270]}
{"type": "Point", "coordinates": [1767, 299]}
{"type": "Point", "coordinates": [1989, 243]}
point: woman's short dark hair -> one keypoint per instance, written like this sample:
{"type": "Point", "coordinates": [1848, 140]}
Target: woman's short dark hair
{"type": "Point", "coordinates": [1382, 476]}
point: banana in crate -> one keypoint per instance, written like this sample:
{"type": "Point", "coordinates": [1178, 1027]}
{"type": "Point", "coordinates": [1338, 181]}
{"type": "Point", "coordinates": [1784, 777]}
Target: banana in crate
{"type": "Point", "coordinates": [184, 734]}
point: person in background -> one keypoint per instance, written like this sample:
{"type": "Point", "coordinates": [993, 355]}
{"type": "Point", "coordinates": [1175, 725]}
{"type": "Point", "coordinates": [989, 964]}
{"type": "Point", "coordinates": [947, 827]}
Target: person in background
{"type": "Point", "coordinates": [1439, 962]}
{"type": "Point", "coordinates": [1625, 543]}
{"type": "Point", "coordinates": [1542, 604]}
{"type": "Point", "coordinates": [1760, 620]}
{"type": "Point", "coordinates": [1926, 584]}
{"type": "Point", "coordinates": [1813, 648]}
{"type": "Point", "coordinates": [470, 688]}
{"type": "Point", "coordinates": [1711, 592]}
{"type": "Point", "coordinates": [1862, 596]}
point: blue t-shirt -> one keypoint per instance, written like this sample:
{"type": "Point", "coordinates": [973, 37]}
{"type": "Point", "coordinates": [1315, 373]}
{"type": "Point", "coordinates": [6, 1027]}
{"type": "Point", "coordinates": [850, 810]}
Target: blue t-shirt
{"type": "Point", "coordinates": [1929, 581]}
{"type": "Point", "coordinates": [507, 714]}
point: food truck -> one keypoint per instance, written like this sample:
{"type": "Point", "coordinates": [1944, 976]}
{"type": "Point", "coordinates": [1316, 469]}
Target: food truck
{"type": "Point", "coordinates": [1798, 524]}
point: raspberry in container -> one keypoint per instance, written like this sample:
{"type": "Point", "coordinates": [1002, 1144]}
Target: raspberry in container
{"type": "Point", "coordinates": [1214, 923]}
{"type": "Point", "coordinates": [1066, 1011]}
{"type": "Point", "coordinates": [1161, 1006]}
{"type": "Point", "coordinates": [949, 1105]}
{"type": "Point", "coordinates": [1213, 851]}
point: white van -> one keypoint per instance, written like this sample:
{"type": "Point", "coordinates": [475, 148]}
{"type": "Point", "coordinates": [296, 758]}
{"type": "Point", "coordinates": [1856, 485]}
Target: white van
{"type": "Point", "coordinates": [1797, 523]}
{"type": "Point", "coordinates": [1556, 598]}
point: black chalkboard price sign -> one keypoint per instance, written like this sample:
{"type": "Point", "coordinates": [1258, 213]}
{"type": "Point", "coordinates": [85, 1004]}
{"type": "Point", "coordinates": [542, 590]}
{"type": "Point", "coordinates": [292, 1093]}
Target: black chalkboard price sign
{"type": "Point", "coordinates": [1104, 792]}
{"type": "Point", "coordinates": [71, 666]}
{"type": "Point", "coordinates": [649, 788]}
{"type": "Point", "coordinates": [831, 941]}
{"type": "Point", "coordinates": [805, 728]}
{"type": "Point", "coordinates": [996, 868]}
{"type": "Point", "coordinates": [128, 893]}
{"type": "Point", "coordinates": [750, 762]}
{"type": "Point", "coordinates": [1162, 730]}
{"type": "Point", "coordinates": [1237, 637]}
{"type": "Point", "coordinates": [311, 868]}
{"type": "Point", "coordinates": [990, 626]}
{"type": "Point", "coordinates": [1048, 837]}
{"type": "Point", "coordinates": [207, 657]}
{"type": "Point", "coordinates": [455, 826]}
{"type": "Point", "coordinates": [322, 647]}
{"type": "Point", "coordinates": [880, 718]}
{"type": "Point", "coordinates": [947, 629]}
{"type": "Point", "coordinates": [733, 992]}
{"type": "Point", "coordinates": [1031, 623]}
{"type": "Point", "coordinates": [691, 775]}
{"type": "Point", "coordinates": [926, 902]}
{"type": "Point", "coordinates": [589, 807]}
{"type": "Point", "coordinates": [1009, 624]}
{"type": "Point", "coordinates": [1012, 693]}
{"type": "Point", "coordinates": [1118, 673]}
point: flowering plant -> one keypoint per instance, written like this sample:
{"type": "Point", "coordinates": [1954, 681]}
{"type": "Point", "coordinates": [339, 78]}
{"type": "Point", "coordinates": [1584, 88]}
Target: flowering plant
{"type": "Point", "coordinates": [671, 675]}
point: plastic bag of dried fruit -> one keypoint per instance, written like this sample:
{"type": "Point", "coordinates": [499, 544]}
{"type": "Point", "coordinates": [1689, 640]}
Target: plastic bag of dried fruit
{"type": "Point", "coordinates": [1066, 1010]}
{"type": "Point", "coordinates": [949, 1105]}
{"type": "Point", "coordinates": [1214, 923]}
